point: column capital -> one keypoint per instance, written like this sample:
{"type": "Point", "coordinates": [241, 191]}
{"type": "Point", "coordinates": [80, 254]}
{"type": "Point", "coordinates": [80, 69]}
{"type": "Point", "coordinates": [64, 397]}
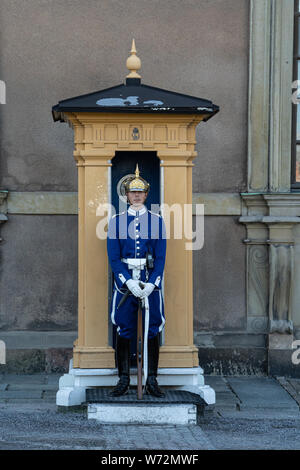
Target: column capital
{"type": "Point", "coordinates": [97, 157]}
{"type": "Point", "coordinates": [176, 157]}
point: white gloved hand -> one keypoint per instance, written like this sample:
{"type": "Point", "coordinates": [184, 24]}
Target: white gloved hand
{"type": "Point", "coordinates": [148, 289]}
{"type": "Point", "coordinates": [134, 287]}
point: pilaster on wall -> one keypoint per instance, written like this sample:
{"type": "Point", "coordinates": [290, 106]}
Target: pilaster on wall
{"type": "Point", "coordinates": [270, 267]}
{"type": "Point", "coordinates": [273, 256]}
{"type": "Point", "coordinates": [270, 211]}
{"type": "Point", "coordinates": [282, 21]}
{"type": "Point", "coordinates": [259, 95]}
{"type": "Point", "coordinates": [270, 105]}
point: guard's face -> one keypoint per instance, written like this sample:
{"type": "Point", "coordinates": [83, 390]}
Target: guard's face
{"type": "Point", "coordinates": [136, 197]}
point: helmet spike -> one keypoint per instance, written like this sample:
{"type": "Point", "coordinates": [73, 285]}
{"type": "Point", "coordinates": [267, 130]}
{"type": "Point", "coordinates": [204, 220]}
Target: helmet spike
{"type": "Point", "coordinates": [137, 171]}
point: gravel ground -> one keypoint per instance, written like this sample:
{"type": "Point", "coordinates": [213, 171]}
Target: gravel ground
{"type": "Point", "coordinates": [254, 433]}
{"type": "Point", "coordinates": [41, 426]}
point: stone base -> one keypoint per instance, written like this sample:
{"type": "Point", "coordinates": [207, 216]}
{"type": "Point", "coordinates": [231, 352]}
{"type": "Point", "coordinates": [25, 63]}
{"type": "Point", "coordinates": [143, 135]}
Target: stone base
{"type": "Point", "coordinates": [107, 413]}
{"type": "Point", "coordinates": [234, 360]}
{"type": "Point", "coordinates": [72, 386]}
{"type": "Point", "coordinates": [283, 355]}
{"type": "Point", "coordinates": [284, 363]}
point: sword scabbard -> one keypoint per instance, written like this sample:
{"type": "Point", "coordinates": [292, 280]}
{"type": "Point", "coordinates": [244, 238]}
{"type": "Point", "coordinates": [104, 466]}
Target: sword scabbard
{"type": "Point", "coordinates": [140, 352]}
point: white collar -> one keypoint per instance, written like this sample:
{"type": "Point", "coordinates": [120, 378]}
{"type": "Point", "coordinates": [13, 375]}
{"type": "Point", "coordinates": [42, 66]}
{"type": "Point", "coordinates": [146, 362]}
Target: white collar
{"type": "Point", "coordinates": [141, 211]}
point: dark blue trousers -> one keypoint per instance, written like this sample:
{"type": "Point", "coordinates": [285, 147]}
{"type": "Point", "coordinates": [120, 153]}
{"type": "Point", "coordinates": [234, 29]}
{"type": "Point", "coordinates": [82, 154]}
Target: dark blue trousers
{"type": "Point", "coordinates": [125, 317]}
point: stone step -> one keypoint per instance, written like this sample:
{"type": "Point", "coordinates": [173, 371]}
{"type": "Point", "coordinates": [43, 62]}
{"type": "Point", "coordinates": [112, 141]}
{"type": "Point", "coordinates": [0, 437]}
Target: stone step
{"type": "Point", "coordinates": [111, 413]}
{"type": "Point", "coordinates": [176, 407]}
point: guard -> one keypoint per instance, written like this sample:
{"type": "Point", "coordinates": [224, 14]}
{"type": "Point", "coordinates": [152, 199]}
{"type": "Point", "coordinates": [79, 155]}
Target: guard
{"type": "Point", "coordinates": [136, 246]}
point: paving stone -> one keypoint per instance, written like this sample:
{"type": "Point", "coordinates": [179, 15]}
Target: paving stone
{"type": "Point", "coordinates": [53, 379]}
{"type": "Point", "coordinates": [28, 387]}
{"type": "Point", "coordinates": [217, 382]}
{"type": "Point", "coordinates": [226, 400]}
{"type": "Point", "coordinates": [260, 414]}
{"type": "Point", "coordinates": [261, 393]}
{"type": "Point", "coordinates": [295, 384]}
{"type": "Point", "coordinates": [25, 378]}
{"type": "Point", "coordinates": [30, 394]}
{"type": "Point", "coordinates": [287, 384]}
{"type": "Point", "coordinates": [49, 396]}
{"type": "Point", "coordinates": [21, 401]}
{"type": "Point", "coordinates": [50, 393]}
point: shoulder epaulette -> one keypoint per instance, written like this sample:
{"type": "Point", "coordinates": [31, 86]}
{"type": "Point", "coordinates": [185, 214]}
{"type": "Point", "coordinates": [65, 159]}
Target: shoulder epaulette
{"type": "Point", "coordinates": [154, 213]}
{"type": "Point", "coordinates": [120, 213]}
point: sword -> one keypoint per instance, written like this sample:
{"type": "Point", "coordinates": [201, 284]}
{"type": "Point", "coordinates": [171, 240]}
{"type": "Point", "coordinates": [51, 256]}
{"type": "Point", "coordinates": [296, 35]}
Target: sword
{"type": "Point", "coordinates": [139, 348]}
{"type": "Point", "coordinates": [139, 345]}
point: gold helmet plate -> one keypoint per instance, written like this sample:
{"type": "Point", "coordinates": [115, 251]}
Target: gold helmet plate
{"type": "Point", "coordinates": [137, 183]}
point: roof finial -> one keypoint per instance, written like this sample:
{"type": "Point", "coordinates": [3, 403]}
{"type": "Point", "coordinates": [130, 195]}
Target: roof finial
{"type": "Point", "coordinates": [133, 63]}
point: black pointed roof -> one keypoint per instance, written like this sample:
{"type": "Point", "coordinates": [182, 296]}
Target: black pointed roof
{"type": "Point", "coordinates": [133, 97]}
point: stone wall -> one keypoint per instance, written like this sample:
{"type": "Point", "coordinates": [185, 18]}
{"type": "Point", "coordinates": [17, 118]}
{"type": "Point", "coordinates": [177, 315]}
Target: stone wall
{"type": "Point", "coordinates": [54, 50]}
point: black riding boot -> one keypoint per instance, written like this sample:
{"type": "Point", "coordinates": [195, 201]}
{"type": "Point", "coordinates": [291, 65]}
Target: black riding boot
{"type": "Point", "coordinates": [153, 355]}
{"type": "Point", "coordinates": [123, 364]}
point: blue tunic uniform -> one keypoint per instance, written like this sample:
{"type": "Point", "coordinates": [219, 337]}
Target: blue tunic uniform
{"type": "Point", "coordinates": [131, 235]}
